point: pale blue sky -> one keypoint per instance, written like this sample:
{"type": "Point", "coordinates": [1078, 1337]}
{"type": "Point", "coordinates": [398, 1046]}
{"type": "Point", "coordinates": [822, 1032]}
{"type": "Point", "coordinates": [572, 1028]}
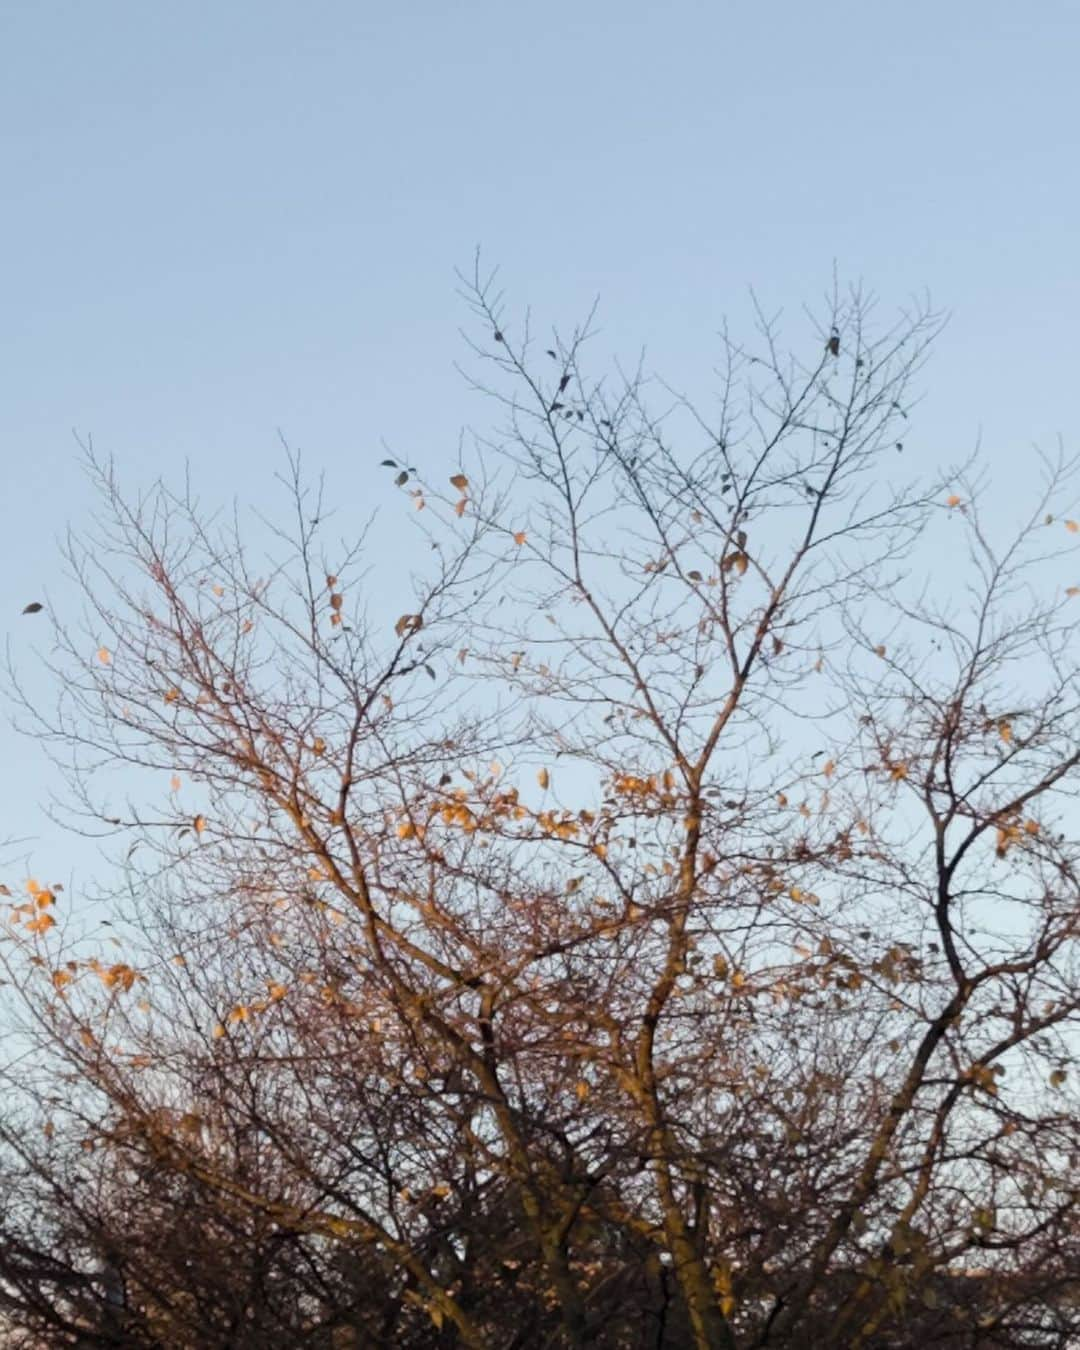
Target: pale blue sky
{"type": "Point", "coordinates": [219, 219]}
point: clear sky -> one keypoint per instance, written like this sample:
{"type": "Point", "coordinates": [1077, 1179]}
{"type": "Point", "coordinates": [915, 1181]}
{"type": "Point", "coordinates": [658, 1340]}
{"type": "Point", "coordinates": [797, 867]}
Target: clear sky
{"type": "Point", "coordinates": [221, 219]}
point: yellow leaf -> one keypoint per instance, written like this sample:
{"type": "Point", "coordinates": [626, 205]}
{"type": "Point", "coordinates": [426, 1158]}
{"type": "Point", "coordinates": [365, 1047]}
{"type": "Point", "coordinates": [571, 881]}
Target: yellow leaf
{"type": "Point", "coordinates": [41, 924]}
{"type": "Point", "coordinates": [459, 481]}
{"type": "Point", "coordinates": [581, 1089]}
{"type": "Point", "coordinates": [240, 1013]}
{"type": "Point", "coordinates": [898, 772]}
{"type": "Point", "coordinates": [519, 537]}
{"type": "Point", "coordinates": [218, 1032]}
{"type": "Point", "coordinates": [104, 655]}
{"type": "Point", "coordinates": [952, 500]}
{"type": "Point", "coordinates": [406, 830]}
{"type": "Point", "coordinates": [543, 778]}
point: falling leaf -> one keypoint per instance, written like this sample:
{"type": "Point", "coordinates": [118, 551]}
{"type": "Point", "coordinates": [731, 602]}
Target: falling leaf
{"type": "Point", "coordinates": [34, 607]}
{"type": "Point", "coordinates": [520, 537]}
{"type": "Point", "coordinates": [199, 824]}
{"type": "Point", "coordinates": [952, 500]}
{"type": "Point", "coordinates": [104, 655]}
{"type": "Point", "coordinates": [460, 482]}
{"type": "Point", "coordinates": [543, 778]}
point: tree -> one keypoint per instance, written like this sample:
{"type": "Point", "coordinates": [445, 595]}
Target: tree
{"type": "Point", "coordinates": [663, 934]}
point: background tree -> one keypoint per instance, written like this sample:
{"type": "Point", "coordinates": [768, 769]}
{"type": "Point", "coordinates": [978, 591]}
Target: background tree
{"type": "Point", "coordinates": [663, 933]}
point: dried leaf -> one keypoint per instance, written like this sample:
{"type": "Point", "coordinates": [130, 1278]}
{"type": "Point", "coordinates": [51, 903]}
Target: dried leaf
{"type": "Point", "coordinates": [199, 824]}
{"type": "Point", "coordinates": [519, 537]}
{"type": "Point", "coordinates": [543, 778]}
{"type": "Point", "coordinates": [104, 656]}
{"type": "Point", "coordinates": [952, 500]}
{"type": "Point", "coordinates": [460, 482]}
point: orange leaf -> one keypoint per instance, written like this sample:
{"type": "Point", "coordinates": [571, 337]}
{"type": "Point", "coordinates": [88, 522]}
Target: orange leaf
{"type": "Point", "coordinates": [952, 500]}
{"type": "Point", "coordinates": [830, 766]}
{"type": "Point", "coordinates": [104, 655]}
{"type": "Point", "coordinates": [519, 537]}
{"type": "Point", "coordinates": [1072, 590]}
{"type": "Point", "coordinates": [1005, 732]}
{"type": "Point", "coordinates": [1072, 526]}
{"type": "Point", "coordinates": [459, 481]}
{"type": "Point", "coordinates": [41, 924]}
{"type": "Point", "coordinates": [543, 778]}
{"type": "Point", "coordinates": [199, 824]}
{"type": "Point", "coordinates": [174, 782]}
{"type": "Point", "coordinates": [459, 507]}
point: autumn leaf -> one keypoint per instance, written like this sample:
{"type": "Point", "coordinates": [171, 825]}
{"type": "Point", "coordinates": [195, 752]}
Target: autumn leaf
{"type": "Point", "coordinates": [879, 650]}
{"type": "Point", "coordinates": [408, 623]}
{"type": "Point", "coordinates": [406, 830]}
{"type": "Point", "coordinates": [337, 600]}
{"type": "Point", "coordinates": [174, 783]}
{"type": "Point", "coordinates": [952, 500]}
{"type": "Point", "coordinates": [331, 581]}
{"type": "Point", "coordinates": [459, 507]}
{"type": "Point", "coordinates": [898, 772]}
{"type": "Point", "coordinates": [104, 656]}
{"type": "Point", "coordinates": [543, 778]}
{"type": "Point", "coordinates": [1072, 591]}
{"type": "Point", "coordinates": [41, 924]}
{"type": "Point", "coordinates": [1072, 526]}
{"type": "Point", "coordinates": [1005, 732]}
{"type": "Point", "coordinates": [199, 824]}
{"type": "Point", "coordinates": [460, 482]}
{"type": "Point", "coordinates": [581, 1089]}
{"type": "Point", "coordinates": [519, 537]}
{"type": "Point", "coordinates": [829, 768]}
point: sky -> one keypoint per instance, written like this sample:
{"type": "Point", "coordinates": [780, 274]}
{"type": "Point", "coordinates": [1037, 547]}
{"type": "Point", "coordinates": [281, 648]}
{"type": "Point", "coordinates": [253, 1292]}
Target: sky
{"type": "Point", "coordinates": [222, 221]}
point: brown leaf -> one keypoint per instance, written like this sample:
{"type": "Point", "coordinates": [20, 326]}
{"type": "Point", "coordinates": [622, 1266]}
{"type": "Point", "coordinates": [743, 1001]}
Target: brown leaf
{"type": "Point", "coordinates": [460, 482]}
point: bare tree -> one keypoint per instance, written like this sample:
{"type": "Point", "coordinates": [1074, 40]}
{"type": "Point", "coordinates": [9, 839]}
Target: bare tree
{"type": "Point", "coordinates": [664, 933]}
